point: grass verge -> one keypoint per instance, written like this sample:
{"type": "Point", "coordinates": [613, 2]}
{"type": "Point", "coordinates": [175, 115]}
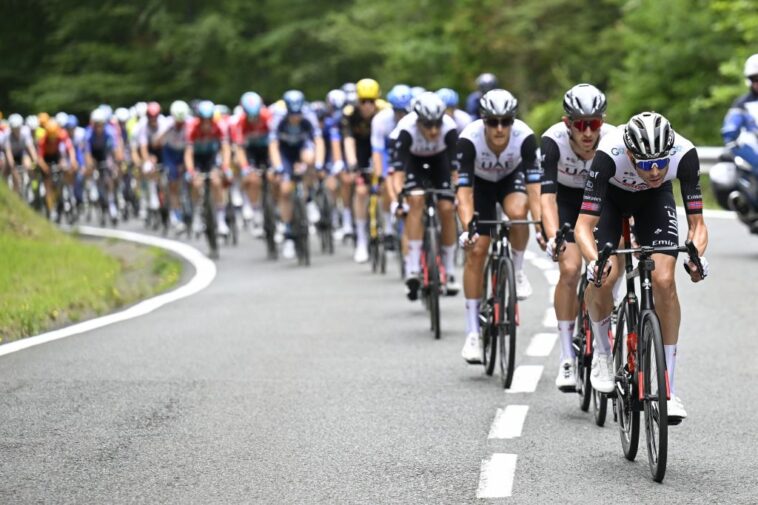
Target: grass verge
{"type": "Point", "coordinates": [49, 279]}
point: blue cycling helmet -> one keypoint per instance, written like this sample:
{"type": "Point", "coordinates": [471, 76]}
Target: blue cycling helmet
{"type": "Point", "coordinates": [400, 97]}
{"type": "Point", "coordinates": [449, 97]}
{"type": "Point", "coordinates": [205, 109]}
{"type": "Point", "coordinates": [251, 102]}
{"type": "Point", "coordinates": [72, 121]}
{"type": "Point", "coordinates": [294, 100]}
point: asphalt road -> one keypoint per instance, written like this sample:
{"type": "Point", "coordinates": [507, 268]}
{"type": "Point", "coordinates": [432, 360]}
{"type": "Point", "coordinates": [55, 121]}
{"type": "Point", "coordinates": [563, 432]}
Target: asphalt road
{"type": "Point", "coordinates": [280, 384]}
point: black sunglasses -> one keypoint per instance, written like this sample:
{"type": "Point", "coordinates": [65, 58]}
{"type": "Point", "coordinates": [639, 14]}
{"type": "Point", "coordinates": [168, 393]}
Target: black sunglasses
{"type": "Point", "coordinates": [431, 124]}
{"type": "Point", "coordinates": [493, 122]}
{"type": "Point", "coordinates": [367, 101]}
{"type": "Point", "coordinates": [753, 78]}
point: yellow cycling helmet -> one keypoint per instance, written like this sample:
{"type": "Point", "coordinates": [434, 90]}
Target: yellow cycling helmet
{"type": "Point", "coordinates": [52, 128]}
{"type": "Point", "coordinates": [42, 117]}
{"type": "Point", "coordinates": [367, 89]}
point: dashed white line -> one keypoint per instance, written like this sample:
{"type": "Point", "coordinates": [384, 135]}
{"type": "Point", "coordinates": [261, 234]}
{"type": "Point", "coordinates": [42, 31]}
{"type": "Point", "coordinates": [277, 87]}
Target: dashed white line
{"type": "Point", "coordinates": [509, 422]}
{"type": "Point", "coordinates": [541, 344]}
{"type": "Point", "coordinates": [496, 477]}
{"type": "Point", "coordinates": [525, 379]}
{"type": "Point", "coordinates": [550, 321]}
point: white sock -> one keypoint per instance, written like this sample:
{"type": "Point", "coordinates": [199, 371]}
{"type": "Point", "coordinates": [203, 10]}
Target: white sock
{"type": "Point", "coordinates": [448, 259]}
{"type": "Point", "coordinates": [600, 328]}
{"type": "Point", "coordinates": [413, 261]}
{"type": "Point", "coordinates": [670, 351]}
{"type": "Point", "coordinates": [566, 335]}
{"type": "Point", "coordinates": [518, 260]}
{"type": "Point", "coordinates": [347, 218]}
{"type": "Point", "coordinates": [361, 234]}
{"type": "Point", "coordinates": [472, 316]}
{"type": "Point", "coordinates": [388, 228]}
{"type": "Point", "coordinates": [221, 215]}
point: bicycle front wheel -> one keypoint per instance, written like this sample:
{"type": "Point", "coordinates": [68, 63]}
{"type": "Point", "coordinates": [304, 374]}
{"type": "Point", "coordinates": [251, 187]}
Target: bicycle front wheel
{"type": "Point", "coordinates": [433, 296]}
{"type": "Point", "coordinates": [626, 403]}
{"type": "Point", "coordinates": [506, 317]}
{"type": "Point", "coordinates": [656, 396]}
{"type": "Point", "coordinates": [583, 350]}
{"type": "Point", "coordinates": [488, 331]}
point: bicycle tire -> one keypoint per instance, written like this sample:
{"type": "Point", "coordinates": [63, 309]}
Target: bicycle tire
{"type": "Point", "coordinates": [210, 222]}
{"type": "Point", "coordinates": [655, 403]}
{"type": "Point", "coordinates": [487, 325]}
{"type": "Point", "coordinates": [507, 324]}
{"type": "Point", "coordinates": [373, 252]}
{"type": "Point", "coordinates": [583, 356]}
{"type": "Point", "coordinates": [434, 284]}
{"type": "Point", "coordinates": [269, 224]}
{"type": "Point", "coordinates": [625, 403]}
{"type": "Point", "coordinates": [382, 258]}
{"type": "Point", "coordinates": [599, 407]}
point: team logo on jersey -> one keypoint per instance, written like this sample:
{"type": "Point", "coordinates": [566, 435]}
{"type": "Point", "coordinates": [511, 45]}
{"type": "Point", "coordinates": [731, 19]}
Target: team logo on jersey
{"type": "Point", "coordinates": [616, 151]}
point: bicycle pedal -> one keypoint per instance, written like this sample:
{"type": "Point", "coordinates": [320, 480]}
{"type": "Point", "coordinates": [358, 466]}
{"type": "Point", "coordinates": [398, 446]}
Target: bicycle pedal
{"type": "Point", "coordinates": [674, 421]}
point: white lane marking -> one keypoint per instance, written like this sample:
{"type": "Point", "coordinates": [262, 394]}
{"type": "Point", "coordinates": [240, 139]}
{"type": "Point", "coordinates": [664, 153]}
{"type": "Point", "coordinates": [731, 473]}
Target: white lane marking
{"type": "Point", "coordinates": [541, 344]}
{"type": "Point", "coordinates": [543, 263]}
{"type": "Point", "coordinates": [552, 276]}
{"type": "Point", "coordinates": [205, 271]}
{"type": "Point", "coordinates": [508, 423]}
{"type": "Point", "coordinates": [496, 476]}
{"type": "Point", "coordinates": [549, 321]}
{"type": "Point", "coordinates": [525, 379]}
{"type": "Point", "coordinates": [529, 255]}
{"type": "Point", "coordinates": [551, 294]}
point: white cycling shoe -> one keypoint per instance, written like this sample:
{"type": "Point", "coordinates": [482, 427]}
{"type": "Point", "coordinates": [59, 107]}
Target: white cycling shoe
{"type": "Point", "coordinates": [566, 379]}
{"type": "Point", "coordinates": [288, 249]}
{"type": "Point", "coordinates": [602, 373]}
{"type": "Point", "coordinates": [472, 349]}
{"type": "Point", "coordinates": [361, 254]}
{"type": "Point", "coordinates": [523, 287]}
{"type": "Point", "coordinates": [676, 411]}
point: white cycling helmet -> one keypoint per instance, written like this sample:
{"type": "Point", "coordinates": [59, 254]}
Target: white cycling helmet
{"type": "Point", "coordinates": [180, 110]}
{"type": "Point", "coordinates": [429, 107]}
{"type": "Point", "coordinates": [61, 118]}
{"type": "Point", "coordinates": [141, 108]}
{"type": "Point", "coordinates": [498, 103]}
{"type": "Point", "coordinates": [648, 136]}
{"type": "Point", "coordinates": [751, 67]}
{"type": "Point", "coordinates": [584, 100]}
{"type": "Point", "coordinates": [15, 121]}
{"type": "Point", "coordinates": [336, 98]}
{"type": "Point", "coordinates": [32, 122]}
{"type": "Point", "coordinates": [98, 116]}
{"type": "Point", "coordinates": [122, 114]}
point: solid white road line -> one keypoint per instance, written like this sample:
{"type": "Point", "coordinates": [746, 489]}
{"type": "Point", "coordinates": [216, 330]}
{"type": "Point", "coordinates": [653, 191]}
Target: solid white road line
{"type": "Point", "coordinates": [496, 476]}
{"type": "Point", "coordinates": [205, 271]}
{"type": "Point", "coordinates": [549, 321]}
{"type": "Point", "coordinates": [508, 423]}
{"type": "Point", "coordinates": [541, 344]}
{"type": "Point", "coordinates": [525, 379]}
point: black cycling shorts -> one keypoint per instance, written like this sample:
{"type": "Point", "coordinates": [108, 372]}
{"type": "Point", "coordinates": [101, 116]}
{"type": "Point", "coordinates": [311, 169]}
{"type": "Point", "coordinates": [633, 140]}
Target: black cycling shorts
{"type": "Point", "coordinates": [257, 156]}
{"type": "Point", "coordinates": [432, 171]}
{"type": "Point", "coordinates": [488, 194]}
{"type": "Point", "coordinates": [569, 202]}
{"type": "Point", "coordinates": [654, 212]}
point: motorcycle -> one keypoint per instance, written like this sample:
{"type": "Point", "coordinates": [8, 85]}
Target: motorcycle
{"type": "Point", "coordinates": [735, 187]}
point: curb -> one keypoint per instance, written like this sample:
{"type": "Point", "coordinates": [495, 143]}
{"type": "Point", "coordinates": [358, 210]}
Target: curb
{"type": "Point", "coordinates": [205, 272]}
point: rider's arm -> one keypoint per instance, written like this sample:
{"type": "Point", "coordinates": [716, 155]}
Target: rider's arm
{"type": "Point", "coordinates": [7, 149]}
{"type": "Point", "coordinates": [549, 186]}
{"type": "Point", "coordinates": [351, 158]}
{"type": "Point", "coordinates": [41, 155]}
{"type": "Point", "coordinates": [466, 156]}
{"type": "Point", "coordinates": [601, 170]}
{"type": "Point", "coordinates": [378, 146]}
{"type": "Point", "coordinates": [533, 174]}
{"type": "Point", "coordinates": [320, 150]}
{"type": "Point", "coordinates": [688, 174]}
{"type": "Point", "coordinates": [735, 120]}
{"type": "Point", "coordinates": [69, 146]}
{"type": "Point", "coordinates": [401, 155]}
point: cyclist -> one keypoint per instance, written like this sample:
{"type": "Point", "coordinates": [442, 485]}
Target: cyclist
{"type": "Point", "coordinates": [295, 143]}
{"type": "Point", "coordinates": [250, 138]}
{"type": "Point", "coordinates": [78, 135]}
{"type": "Point", "coordinates": [55, 147]}
{"type": "Point", "coordinates": [19, 149]}
{"type": "Point", "coordinates": [424, 153]}
{"type": "Point", "coordinates": [484, 83]}
{"type": "Point", "coordinates": [498, 165]}
{"type": "Point", "coordinates": [151, 150]}
{"type": "Point", "coordinates": [568, 148]}
{"type": "Point", "coordinates": [450, 98]}
{"type": "Point", "coordinates": [639, 160]}
{"type": "Point", "coordinates": [173, 139]}
{"type": "Point", "coordinates": [740, 129]}
{"type": "Point", "coordinates": [382, 125]}
{"type": "Point", "coordinates": [205, 140]}
{"type": "Point", "coordinates": [101, 150]}
{"type": "Point", "coordinates": [356, 134]}
{"type": "Point", "coordinates": [335, 102]}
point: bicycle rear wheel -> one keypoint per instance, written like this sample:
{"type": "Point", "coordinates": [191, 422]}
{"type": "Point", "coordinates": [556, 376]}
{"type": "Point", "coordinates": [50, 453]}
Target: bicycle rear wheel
{"type": "Point", "coordinates": [269, 224]}
{"type": "Point", "coordinates": [487, 331]}
{"type": "Point", "coordinates": [506, 317]}
{"type": "Point", "coordinates": [656, 396]}
{"type": "Point", "coordinates": [583, 350]}
{"type": "Point", "coordinates": [210, 222]}
{"type": "Point", "coordinates": [432, 262]}
{"type": "Point", "coordinates": [626, 404]}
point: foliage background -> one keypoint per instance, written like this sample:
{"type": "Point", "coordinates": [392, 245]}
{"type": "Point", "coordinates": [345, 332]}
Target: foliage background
{"type": "Point", "coordinates": [682, 58]}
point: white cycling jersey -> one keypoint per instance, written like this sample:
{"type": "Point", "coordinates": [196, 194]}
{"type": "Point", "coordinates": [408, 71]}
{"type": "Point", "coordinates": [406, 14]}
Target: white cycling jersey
{"type": "Point", "coordinates": [462, 119]}
{"type": "Point", "coordinates": [382, 125]}
{"type": "Point", "coordinates": [147, 135]}
{"type": "Point", "coordinates": [17, 143]}
{"type": "Point", "coordinates": [420, 146]}
{"type": "Point", "coordinates": [173, 137]}
{"type": "Point", "coordinates": [572, 170]}
{"type": "Point", "coordinates": [488, 165]}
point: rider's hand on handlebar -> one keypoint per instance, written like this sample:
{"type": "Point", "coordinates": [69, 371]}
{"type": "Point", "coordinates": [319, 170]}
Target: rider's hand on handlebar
{"type": "Point", "coordinates": [550, 249]}
{"type": "Point", "coordinates": [466, 241]}
{"type": "Point", "coordinates": [541, 241]}
{"type": "Point", "coordinates": [592, 272]}
{"type": "Point", "coordinates": [399, 210]}
{"type": "Point", "coordinates": [692, 269]}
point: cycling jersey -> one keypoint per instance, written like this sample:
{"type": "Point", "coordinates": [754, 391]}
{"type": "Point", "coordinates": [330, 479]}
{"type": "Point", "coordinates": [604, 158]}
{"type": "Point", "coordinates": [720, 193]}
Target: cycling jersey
{"type": "Point", "coordinates": [295, 136]}
{"type": "Point", "coordinates": [255, 133]}
{"type": "Point", "coordinates": [50, 149]}
{"type": "Point", "coordinates": [148, 135]}
{"type": "Point", "coordinates": [174, 138]}
{"type": "Point", "coordinates": [612, 165]}
{"type": "Point", "coordinates": [462, 119]}
{"type": "Point", "coordinates": [382, 125]}
{"type": "Point", "coordinates": [477, 159]}
{"type": "Point", "coordinates": [408, 139]}
{"type": "Point", "coordinates": [100, 146]}
{"type": "Point", "coordinates": [18, 142]}
{"type": "Point", "coordinates": [355, 125]}
{"type": "Point", "coordinates": [205, 137]}
{"type": "Point", "coordinates": [331, 132]}
{"type": "Point", "coordinates": [561, 166]}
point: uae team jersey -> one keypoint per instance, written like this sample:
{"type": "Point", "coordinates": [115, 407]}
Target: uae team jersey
{"type": "Point", "coordinates": [477, 159]}
{"type": "Point", "coordinates": [612, 165]}
{"type": "Point", "coordinates": [560, 164]}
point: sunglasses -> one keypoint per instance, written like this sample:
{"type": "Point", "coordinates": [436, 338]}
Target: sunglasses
{"type": "Point", "coordinates": [583, 124]}
{"type": "Point", "coordinates": [493, 122]}
{"type": "Point", "coordinates": [364, 102]}
{"type": "Point", "coordinates": [647, 165]}
{"type": "Point", "coordinates": [431, 124]}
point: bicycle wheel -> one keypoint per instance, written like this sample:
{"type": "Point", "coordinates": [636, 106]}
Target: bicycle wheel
{"type": "Point", "coordinates": [487, 328]}
{"type": "Point", "coordinates": [300, 230]}
{"type": "Point", "coordinates": [373, 252]}
{"type": "Point", "coordinates": [656, 396]}
{"type": "Point", "coordinates": [210, 222]}
{"type": "Point", "coordinates": [269, 224]}
{"type": "Point", "coordinates": [506, 317]}
{"type": "Point", "coordinates": [599, 407]}
{"type": "Point", "coordinates": [626, 403]}
{"type": "Point", "coordinates": [583, 350]}
{"type": "Point", "coordinates": [433, 295]}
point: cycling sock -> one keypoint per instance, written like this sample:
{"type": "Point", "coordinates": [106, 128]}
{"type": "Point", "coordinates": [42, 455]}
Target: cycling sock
{"type": "Point", "coordinates": [518, 259]}
{"type": "Point", "coordinates": [221, 214]}
{"type": "Point", "coordinates": [360, 232]}
{"type": "Point", "coordinates": [670, 351]}
{"type": "Point", "coordinates": [448, 259]}
{"type": "Point", "coordinates": [565, 333]}
{"type": "Point", "coordinates": [472, 315]}
{"type": "Point", "coordinates": [600, 328]}
{"type": "Point", "coordinates": [413, 262]}
{"type": "Point", "coordinates": [347, 218]}
{"type": "Point", "coordinates": [388, 228]}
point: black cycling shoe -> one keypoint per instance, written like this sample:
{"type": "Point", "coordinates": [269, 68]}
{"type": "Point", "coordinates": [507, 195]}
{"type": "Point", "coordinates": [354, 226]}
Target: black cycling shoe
{"type": "Point", "coordinates": [411, 285]}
